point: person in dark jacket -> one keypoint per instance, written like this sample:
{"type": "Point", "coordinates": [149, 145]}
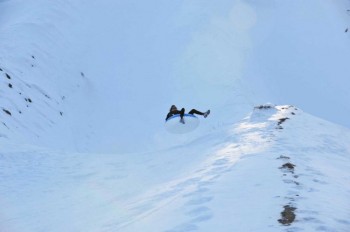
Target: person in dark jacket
{"type": "Point", "coordinates": [173, 111]}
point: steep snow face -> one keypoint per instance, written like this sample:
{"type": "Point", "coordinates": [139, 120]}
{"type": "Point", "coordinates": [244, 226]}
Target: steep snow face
{"type": "Point", "coordinates": [279, 168]}
{"type": "Point", "coordinates": [143, 61]}
{"type": "Point", "coordinates": [38, 71]}
{"type": "Point", "coordinates": [79, 82]}
{"type": "Point", "coordinates": [229, 58]}
{"type": "Point", "coordinates": [96, 76]}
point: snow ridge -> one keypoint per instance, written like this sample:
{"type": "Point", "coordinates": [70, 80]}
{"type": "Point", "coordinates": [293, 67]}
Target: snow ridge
{"type": "Point", "coordinates": [191, 200]}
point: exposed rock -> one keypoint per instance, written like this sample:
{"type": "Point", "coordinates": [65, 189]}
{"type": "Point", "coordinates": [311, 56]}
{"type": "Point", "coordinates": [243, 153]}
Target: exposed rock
{"type": "Point", "coordinates": [282, 120]}
{"type": "Point", "coordinates": [7, 112]}
{"type": "Point", "coordinates": [288, 166]}
{"type": "Point", "coordinates": [283, 157]}
{"type": "Point", "coordinates": [287, 215]}
{"type": "Point", "coordinates": [263, 107]}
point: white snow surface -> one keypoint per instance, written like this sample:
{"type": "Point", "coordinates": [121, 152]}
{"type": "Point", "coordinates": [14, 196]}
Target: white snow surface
{"type": "Point", "coordinates": [230, 179]}
{"type": "Point", "coordinates": [86, 86]}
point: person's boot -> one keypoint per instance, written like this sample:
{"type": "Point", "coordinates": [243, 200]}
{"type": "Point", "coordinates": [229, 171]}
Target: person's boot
{"type": "Point", "coordinates": [206, 113]}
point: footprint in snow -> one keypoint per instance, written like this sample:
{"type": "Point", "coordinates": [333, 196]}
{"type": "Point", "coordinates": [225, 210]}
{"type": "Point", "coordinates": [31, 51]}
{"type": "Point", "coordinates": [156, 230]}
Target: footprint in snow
{"type": "Point", "coordinates": [199, 200]}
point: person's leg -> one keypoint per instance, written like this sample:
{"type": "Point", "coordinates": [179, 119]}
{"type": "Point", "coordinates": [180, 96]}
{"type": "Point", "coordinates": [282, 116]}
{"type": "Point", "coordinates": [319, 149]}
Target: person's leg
{"type": "Point", "coordinates": [182, 112]}
{"type": "Point", "coordinates": [194, 111]}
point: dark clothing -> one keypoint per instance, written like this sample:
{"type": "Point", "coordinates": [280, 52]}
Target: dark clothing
{"type": "Point", "coordinates": [173, 112]}
{"type": "Point", "coordinates": [194, 111]}
{"type": "Point", "coordinates": [182, 112]}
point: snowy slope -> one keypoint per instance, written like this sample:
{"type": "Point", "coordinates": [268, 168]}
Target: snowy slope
{"type": "Point", "coordinates": [237, 178]}
{"type": "Point", "coordinates": [86, 85]}
{"type": "Point", "coordinates": [104, 65]}
{"type": "Point", "coordinates": [38, 70]}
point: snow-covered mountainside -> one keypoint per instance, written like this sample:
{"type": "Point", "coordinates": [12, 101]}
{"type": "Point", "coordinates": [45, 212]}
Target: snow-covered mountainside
{"type": "Point", "coordinates": [278, 169]}
{"type": "Point", "coordinates": [78, 74]}
{"type": "Point", "coordinates": [85, 87]}
{"type": "Point", "coordinates": [38, 71]}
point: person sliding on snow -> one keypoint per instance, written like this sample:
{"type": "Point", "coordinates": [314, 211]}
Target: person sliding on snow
{"type": "Point", "coordinates": [173, 110]}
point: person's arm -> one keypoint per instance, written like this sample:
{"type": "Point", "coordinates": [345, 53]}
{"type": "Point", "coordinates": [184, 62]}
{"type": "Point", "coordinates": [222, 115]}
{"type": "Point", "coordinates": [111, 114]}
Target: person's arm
{"type": "Point", "coordinates": [168, 116]}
